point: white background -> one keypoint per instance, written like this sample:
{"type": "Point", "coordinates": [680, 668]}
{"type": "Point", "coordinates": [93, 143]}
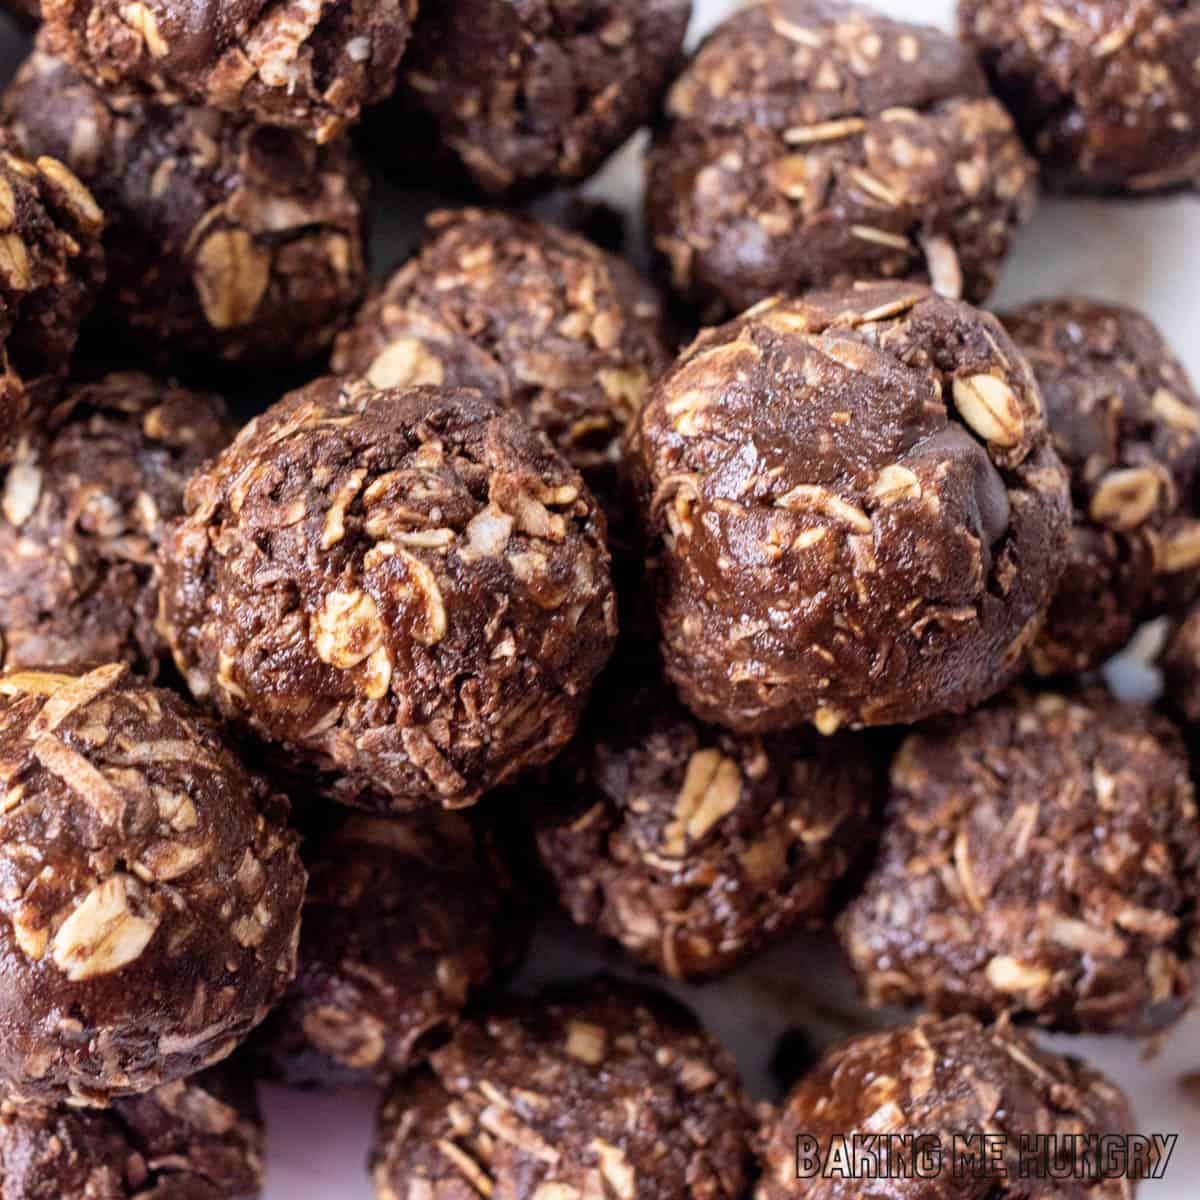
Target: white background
{"type": "Point", "coordinates": [1146, 254]}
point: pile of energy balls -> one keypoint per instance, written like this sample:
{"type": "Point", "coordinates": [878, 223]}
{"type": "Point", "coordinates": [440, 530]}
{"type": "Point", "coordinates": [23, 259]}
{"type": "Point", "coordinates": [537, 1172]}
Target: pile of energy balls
{"type": "Point", "coordinates": [536, 591]}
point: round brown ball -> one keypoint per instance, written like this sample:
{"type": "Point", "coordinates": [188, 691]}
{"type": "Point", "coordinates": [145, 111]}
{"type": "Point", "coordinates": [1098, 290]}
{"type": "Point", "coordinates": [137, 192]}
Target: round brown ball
{"type": "Point", "coordinates": [404, 920]}
{"type": "Point", "coordinates": [151, 889]}
{"type": "Point", "coordinates": [691, 846]}
{"type": "Point", "coordinates": [407, 590]}
{"type": "Point", "coordinates": [813, 143]}
{"type": "Point", "coordinates": [1040, 858]}
{"type": "Point", "coordinates": [225, 237]}
{"type": "Point", "coordinates": [528, 95]}
{"type": "Point", "coordinates": [597, 1087]}
{"type": "Point", "coordinates": [940, 1082]}
{"type": "Point", "coordinates": [1125, 420]}
{"type": "Point", "coordinates": [1106, 93]}
{"type": "Point", "coordinates": [311, 68]}
{"type": "Point", "coordinates": [853, 510]}
{"type": "Point", "coordinates": [82, 512]}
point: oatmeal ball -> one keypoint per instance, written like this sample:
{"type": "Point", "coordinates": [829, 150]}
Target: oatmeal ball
{"type": "Point", "coordinates": [82, 509]}
{"type": "Point", "coordinates": [812, 143]}
{"type": "Point", "coordinates": [1105, 92]}
{"type": "Point", "coordinates": [406, 589]}
{"type": "Point", "coordinates": [51, 268]}
{"type": "Point", "coordinates": [934, 1080]}
{"type": "Point", "coordinates": [405, 918]}
{"type": "Point", "coordinates": [1040, 857]}
{"type": "Point", "coordinates": [527, 95]}
{"type": "Point", "coordinates": [225, 237]}
{"type": "Point", "coordinates": [310, 65]}
{"type": "Point", "coordinates": [149, 888]}
{"type": "Point", "coordinates": [598, 1088]}
{"type": "Point", "coordinates": [540, 319]}
{"type": "Point", "coordinates": [854, 511]}
{"type": "Point", "coordinates": [1125, 420]}
{"type": "Point", "coordinates": [691, 846]}
{"type": "Point", "coordinates": [194, 1139]}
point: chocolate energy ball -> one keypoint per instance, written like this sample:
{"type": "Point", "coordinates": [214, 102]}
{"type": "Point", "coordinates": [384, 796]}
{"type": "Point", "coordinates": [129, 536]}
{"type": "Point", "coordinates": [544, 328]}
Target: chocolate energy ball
{"type": "Point", "coordinates": [404, 919]}
{"type": "Point", "coordinates": [1125, 420]}
{"type": "Point", "coordinates": [225, 237]}
{"type": "Point", "coordinates": [194, 1139]}
{"type": "Point", "coordinates": [531, 94]}
{"type": "Point", "coordinates": [812, 143]}
{"type": "Point", "coordinates": [82, 509]}
{"type": "Point", "coordinates": [406, 589]}
{"type": "Point", "coordinates": [537, 318]}
{"type": "Point", "coordinates": [149, 886]}
{"type": "Point", "coordinates": [692, 846]}
{"type": "Point", "coordinates": [855, 514]}
{"type": "Point", "coordinates": [51, 268]}
{"type": "Point", "coordinates": [1105, 92]}
{"type": "Point", "coordinates": [940, 1082]}
{"type": "Point", "coordinates": [1041, 858]}
{"type": "Point", "coordinates": [308, 66]}
{"type": "Point", "coordinates": [594, 1089]}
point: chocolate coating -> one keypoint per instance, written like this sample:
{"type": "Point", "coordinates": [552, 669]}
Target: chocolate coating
{"type": "Point", "coordinates": [1105, 92]}
{"type": "Point", "coordinates": [195, 1139]}
{"type": "Point", "coordinates": [813, 143]}
{"type": "Point", "coordinates": [601, 1087]}
{"type": "Point", "coordinates": [150, 888]}
{"type": "Point", "coordinates": [691, 846]}
{"type": "Point", "coordinates": [1125, 421]}
{"type": "Point", "coordinates": [404, 919]}
{"type": "Point", "coordinates": [528, 95]}
{"type": "Point", "coordinates": [311, 67]}
{"type": "Point", "coordinates": [1040, 857]}
{"type": "Point", "coordinates": [935, 1080]}
{"type": "Point", "coordinates": [854, 512]}
{"type": "Point", "coordinates": [225, 237]}
{"type": "Point", "coordinates": [82, 510]}
{"type": "Point", "coordinates": [407, 590]}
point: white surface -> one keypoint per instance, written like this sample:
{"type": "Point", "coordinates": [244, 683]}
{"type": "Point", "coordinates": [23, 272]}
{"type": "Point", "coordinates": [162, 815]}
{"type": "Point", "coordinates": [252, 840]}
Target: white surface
{"type": "Point", "coordinates": [1145, 254]}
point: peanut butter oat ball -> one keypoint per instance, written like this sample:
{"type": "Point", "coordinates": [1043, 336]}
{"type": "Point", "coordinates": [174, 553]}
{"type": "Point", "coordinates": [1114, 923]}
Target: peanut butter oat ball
{"type": "Point", "coordinates": [854, 513]}
{"type": "Point", "coordinates": [407, 590]}
{"type": "Point", "coordinates": [405, 918]}
{"type": "Point", "coordinates": [309, 66]}
{"type": "Point", "coordinates": [225, 237]}
{"type": "Point", "coordinates": [82, 510]}
{"type": "Point", "coordinates": [1041, 858]}
{"type": "Point", "coordinates": [598, 1088]}
{"type": "Point", "coordinates": [813, 143]}
{"type": "Point", "coordinates": [194, 1139]}
{"type": "Point", "coordinates": [1105, 92]}
{"type": "Point", "coordinates": [149, 886]}
{"type": "Point", "coordinates": [939, 1083]}
{"type": "Point", "coordinates": [51, 268]}
{"type": "Point", "coordinates": [691, 846]}
{"type": "Point", "coordinates": [1125, 420]}
{"type": "Point", "coordinates": [528, 95]}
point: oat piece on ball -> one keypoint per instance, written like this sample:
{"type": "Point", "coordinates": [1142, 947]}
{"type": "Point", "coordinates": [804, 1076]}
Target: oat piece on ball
{"type": "Point", "coordinates": [1125, 420]}
{"type": "Point", "coordinates": [194, 1139]}
{"type": "Point", "coordinates": [812, 143]}
{"type": "Point", "coordinates": [82, 512]}
{"type": "Point", "coordinates": [854, 512]}
{"type": "Point", "coordinates": [311, 65]}
{"type": "Point", "coordinates": [691, 846]}
{"type": "Point", "coordinates": [593, 1089]}
{"type": "Point", "coordinates": [1040, 858]}
{"type": "Point", "coordinates": [1105, 92]}
{"type": "Point", "coordinates": [406, 589]}
{"type": "Point", "coordinates": [151, 889]}
{"type": "Point", "coordinates": [225, 237]}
